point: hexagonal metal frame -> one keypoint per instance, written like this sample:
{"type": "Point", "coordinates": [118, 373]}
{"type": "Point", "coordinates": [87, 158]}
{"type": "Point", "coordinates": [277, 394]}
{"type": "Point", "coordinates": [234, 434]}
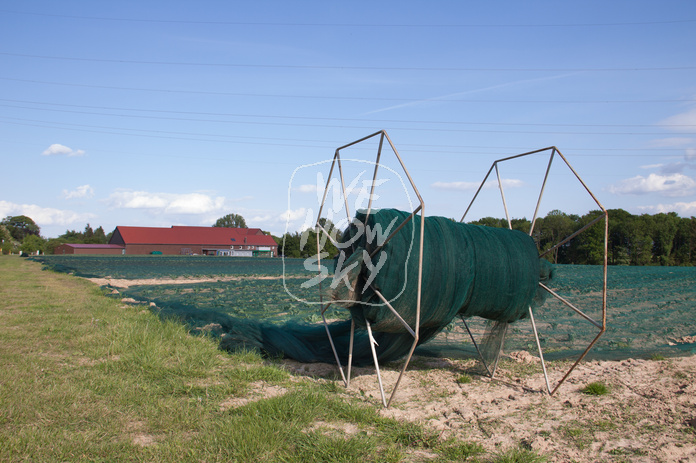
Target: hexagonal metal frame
{"type": "Point", "coordinates": [415, 330]}
{"type": "Point", "coordinates": [605, 215]}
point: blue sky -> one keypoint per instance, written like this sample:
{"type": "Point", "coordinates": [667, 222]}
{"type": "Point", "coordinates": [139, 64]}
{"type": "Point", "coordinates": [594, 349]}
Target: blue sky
{"type": "Point", "coordinates": [178, 113]}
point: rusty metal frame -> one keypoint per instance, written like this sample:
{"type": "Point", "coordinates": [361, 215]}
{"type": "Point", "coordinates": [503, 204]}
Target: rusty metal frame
{"type": "Point", "coordinates": [605, 216]}
{"type": "Point", "coordinates": [415, 330]}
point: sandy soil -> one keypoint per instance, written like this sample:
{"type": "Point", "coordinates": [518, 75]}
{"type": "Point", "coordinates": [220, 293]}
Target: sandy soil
{"type": "Point", "coordinates": [124, 283]}
{"type": "Point", "coordinates": [648, 415]}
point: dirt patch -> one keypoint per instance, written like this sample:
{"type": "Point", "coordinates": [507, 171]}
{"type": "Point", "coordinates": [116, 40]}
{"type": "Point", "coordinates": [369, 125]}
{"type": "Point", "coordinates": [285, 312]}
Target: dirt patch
{"type": "Point", "coordinates": [258, 390]}
{"type": "Point", "coordinates": [647, 415]}
{"type": "Point", "coordinates": [136, 435]}
{"type": "Point", "coordinates": [124, 283]}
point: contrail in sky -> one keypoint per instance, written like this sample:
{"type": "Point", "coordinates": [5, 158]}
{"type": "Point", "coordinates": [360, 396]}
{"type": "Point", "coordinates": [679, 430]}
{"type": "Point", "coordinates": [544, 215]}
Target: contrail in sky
{"type": "Point", "coordinates": [468, 92]}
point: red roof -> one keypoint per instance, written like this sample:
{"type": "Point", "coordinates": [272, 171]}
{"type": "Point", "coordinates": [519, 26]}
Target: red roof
{"type": "Point", "coordinates": [205, 236]}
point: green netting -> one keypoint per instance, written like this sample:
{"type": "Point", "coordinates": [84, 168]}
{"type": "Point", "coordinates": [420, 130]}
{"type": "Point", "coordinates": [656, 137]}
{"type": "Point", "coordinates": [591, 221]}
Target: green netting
{"type": "Point", "coordinates": [468, 270]}
{"type": "Point", "coordinates": [262, 298]}
{"type": "Point", "coordinates": [154, 266]}
{"type": "Point", "coordinates": [651, 310]}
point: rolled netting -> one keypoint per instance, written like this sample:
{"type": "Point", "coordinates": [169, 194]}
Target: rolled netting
{"type": "Point", "coordinates": [468, 271]}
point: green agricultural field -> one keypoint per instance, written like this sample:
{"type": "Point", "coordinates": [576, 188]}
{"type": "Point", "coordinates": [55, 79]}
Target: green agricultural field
{"type": "Point", "coordinates": [138, 267]}
{"type": "Point", "coordinates": [651, 310]}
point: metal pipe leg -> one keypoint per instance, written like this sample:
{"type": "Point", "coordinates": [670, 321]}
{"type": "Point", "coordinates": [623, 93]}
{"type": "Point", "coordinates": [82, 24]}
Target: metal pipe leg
{"type": "Point", "coordinates": [483, 360]}
{"type": "Point", "coordinates": [374, 356]}
{"type": "Point", "coordinates": [541, 354]}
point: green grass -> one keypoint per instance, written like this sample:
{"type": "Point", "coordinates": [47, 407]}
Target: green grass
{"type": "Point", "coordinates": [86, 378]}
{"type": "Point", "coordinates": [582, 433]}
{"type": "Point", "coordinates": [595, 388]}
{"type": "Point", "coordinates": [518, 455]}
{"type": "Point", "coordinates": [464, 379]}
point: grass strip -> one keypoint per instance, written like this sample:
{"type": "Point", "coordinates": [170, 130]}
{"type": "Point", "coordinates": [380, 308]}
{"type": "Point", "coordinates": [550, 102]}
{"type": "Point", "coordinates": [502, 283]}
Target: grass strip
{"type": "Point", "coordinates": [84, 377]}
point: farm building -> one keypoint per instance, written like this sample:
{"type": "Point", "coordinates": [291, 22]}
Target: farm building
{"type": "Point", "coordinates": [78, 248]}
{"type": "Point", "coordinates": [180, 240]}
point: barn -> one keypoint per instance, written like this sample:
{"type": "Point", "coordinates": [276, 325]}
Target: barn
{"type": "Point", "coordinates": [79, 248]}
{"type": "Point", "coordinates": [182, 240]}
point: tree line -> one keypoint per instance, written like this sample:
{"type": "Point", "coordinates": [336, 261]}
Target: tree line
{"type": "Point", "coordinates": [21, 234]}
{"type": "Point", "coordinates": [659, 239]}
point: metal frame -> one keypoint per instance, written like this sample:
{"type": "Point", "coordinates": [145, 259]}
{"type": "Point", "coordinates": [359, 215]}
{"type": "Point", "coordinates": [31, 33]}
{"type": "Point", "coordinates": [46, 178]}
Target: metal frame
{"type": "Point", "coordinates": [415, 330]}
{"type": "Point", "coordinates": [601, 326]}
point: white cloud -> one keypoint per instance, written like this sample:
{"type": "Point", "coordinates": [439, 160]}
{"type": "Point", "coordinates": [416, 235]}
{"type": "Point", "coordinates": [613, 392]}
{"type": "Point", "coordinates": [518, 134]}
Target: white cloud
{"type": "Point", "coordinates": [84, 191]}
{"type": "Point", "coordinates": [294, 215]}
{"type": "Point", "coordinates": [673, 142]}
{"type": "Point", "coordinates": [195, 203]}
{"type": "Point", "coordinates": [681, 208]}
{"type": "Point", "coordinates": [683, 122]}
{"type": "Point", "coordinates": [307, 188]}
{"type": "Point", "coordinates": [668, 185]}
{"type": "Point", "coordinates": [651, 166]}
{"type": "Point", "coordinates": [57, 149]}
{"type": "Point", "coordinates": [167, 203]}
{"type": "Point", "coordinates": [298, 219]}
{"type": "Point", "coordinates": [44, 215]}
{"type": "Point", "coordinates": [467, 186]}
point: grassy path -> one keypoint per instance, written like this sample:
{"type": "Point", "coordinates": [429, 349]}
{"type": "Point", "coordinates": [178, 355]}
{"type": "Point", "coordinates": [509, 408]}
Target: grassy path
{"type": "Point", "coordinates": [85, 378]}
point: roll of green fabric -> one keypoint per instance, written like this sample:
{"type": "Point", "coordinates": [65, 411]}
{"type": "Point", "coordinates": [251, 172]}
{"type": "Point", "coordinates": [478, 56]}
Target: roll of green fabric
{"type": "Point", "coordinates": [468, 270]}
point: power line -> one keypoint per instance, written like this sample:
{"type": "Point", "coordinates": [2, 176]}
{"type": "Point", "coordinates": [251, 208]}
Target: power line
{"type": "Point", "coordinates": [355, 68]}
{"type": "Point", "coordinates": [147, 132]}
{"type": "Point", "coordinates": [347, 98]}
{"type": "Point", "coordinates": [430, 149]}
{"type": "Point", "coordinates": [380, 25]}
{"type": "Point", "coordinates": [265, 116]}
{"type": "Point", "coordinates": [326, 144]}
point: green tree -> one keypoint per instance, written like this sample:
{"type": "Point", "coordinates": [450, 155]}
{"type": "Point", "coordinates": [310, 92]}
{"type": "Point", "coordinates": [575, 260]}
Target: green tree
{"type": "Point", "coordinates": [522, 224]}
{"type": "Point", "coordinates": [305, 245]}
{"type": "Point", "coordinates": [71, 236]}
{"type": "Point", "coordinates": [620, 228]}
{"type": "Point", "coordinates": [94, 236]}
{"type": "Point", "coordinates": [231, 221]}
{"type": "Point", "coordinates": [88, 233]}
{"type": "Point", "coordinates": [553, 229]}
{"type": "Point", "coordinates": [588, 246]}
{"type": "Point", "coordinates": [332, 229]}
{"type": "Point", "coordinates": [664, 231]}
{"type": "Point", "coordinates": [682, 250]}
{"type": "Point", "coordinates": [32, 243]}
{"type": "Point", "coordinates": [491, 222]}
{"type": "Point", "coordinates": [4, 234]}
{"type": "Point", "coordinates": [100, 235]}
{"type": "Point", "coordinates": [289, 245]}
{"type": "Point", "coordinates": [7, 243]}
{"type": "Point", "coordinates": [640, 241]}
{"type": "Point", "coordinates": [20, 226]}
{"type": "Point", "coordinates": [52, 244]}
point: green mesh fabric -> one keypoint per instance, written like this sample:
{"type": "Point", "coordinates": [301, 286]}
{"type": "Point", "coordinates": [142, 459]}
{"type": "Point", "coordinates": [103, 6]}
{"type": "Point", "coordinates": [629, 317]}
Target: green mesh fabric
{"type": "Point", "coordinates": [468, 270]}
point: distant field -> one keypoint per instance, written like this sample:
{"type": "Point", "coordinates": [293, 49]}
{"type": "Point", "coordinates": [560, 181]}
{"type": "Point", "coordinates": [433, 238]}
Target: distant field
{"type": "Point", "coordinates": [651, 310]}
{"type": "Point", "coordinates": [139, 267]}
